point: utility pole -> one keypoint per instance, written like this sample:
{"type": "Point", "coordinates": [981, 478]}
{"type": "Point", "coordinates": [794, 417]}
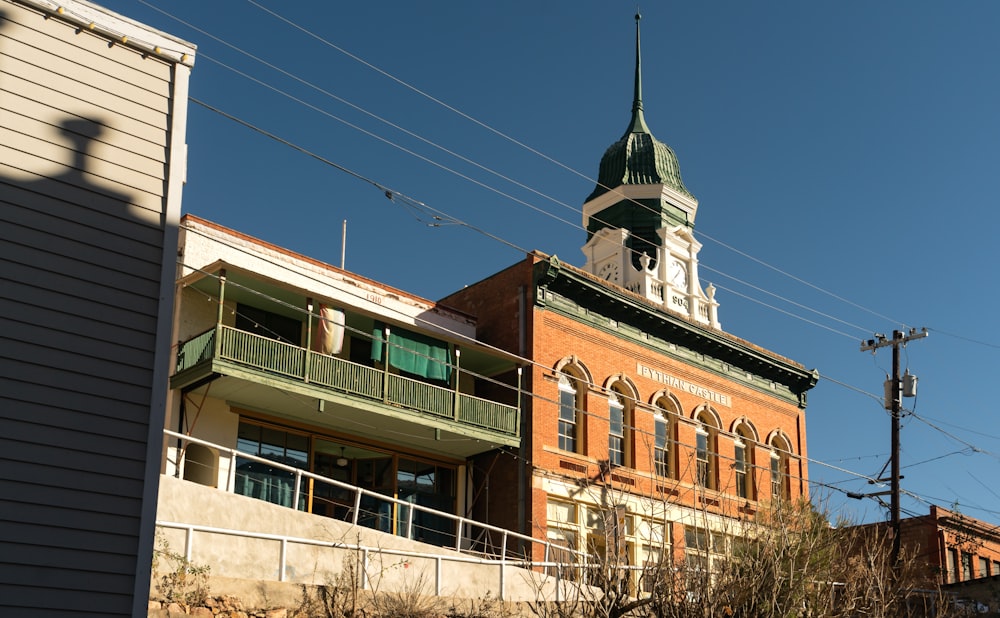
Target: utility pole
{"type": "Point", "coordinates": [894, 391]}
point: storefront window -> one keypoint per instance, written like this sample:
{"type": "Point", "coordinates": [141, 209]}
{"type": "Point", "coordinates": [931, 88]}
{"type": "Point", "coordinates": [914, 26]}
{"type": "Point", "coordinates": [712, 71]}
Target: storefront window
{"type": "Point", "coordinates": [413, 481]}
{"type": "Point", "coordinates": [263, 481]}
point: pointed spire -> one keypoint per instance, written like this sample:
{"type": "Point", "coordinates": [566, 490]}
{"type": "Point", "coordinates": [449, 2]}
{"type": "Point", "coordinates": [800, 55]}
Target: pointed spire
{"type": "Point", "coordinates": [638, 124]}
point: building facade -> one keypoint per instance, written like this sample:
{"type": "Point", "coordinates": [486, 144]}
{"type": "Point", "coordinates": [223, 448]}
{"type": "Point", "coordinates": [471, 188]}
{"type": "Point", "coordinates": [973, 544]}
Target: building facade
{"type": "Point", "coordinates": [951, 547]}
{"type": "Point", "coordinates": [647, 427]}
{"type": "Point", "coordinates": [93, 112]}
{"type": "Point", "coordinates": [548, 413]}
{"type": "Point", "coordinates": [299, 363]}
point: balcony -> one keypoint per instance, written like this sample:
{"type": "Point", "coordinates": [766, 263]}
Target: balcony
{"type": "Point", "coordinates": [259, 373]}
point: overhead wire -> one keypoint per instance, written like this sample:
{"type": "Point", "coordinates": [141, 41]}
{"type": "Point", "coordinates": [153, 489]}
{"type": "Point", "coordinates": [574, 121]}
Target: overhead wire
{"type": "Point", "coordinates": [526, 361]}
{"type": "Point", "coordinates": [705, 235]}
{"type": "Point", "coordinates": [544, 156]}
{"type": "Point", "coordinates": [461, 157]}
{"type": "Point", "coordinates": [391, 193]}
{"type": "Point", "coordinates": [384, 188]}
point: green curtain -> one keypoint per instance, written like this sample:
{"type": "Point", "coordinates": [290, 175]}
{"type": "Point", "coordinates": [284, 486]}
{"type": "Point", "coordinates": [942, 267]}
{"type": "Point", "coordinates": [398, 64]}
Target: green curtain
{"type": "Point", "coordinates": [412, 352]}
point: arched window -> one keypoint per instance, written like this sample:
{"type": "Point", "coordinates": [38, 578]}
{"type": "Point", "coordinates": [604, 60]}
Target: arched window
{"type": "Point", "coordinates": [780, 460]}
{"type": "Point", "coordinates": [706, 453]}
{"type": "Point", "coordinates": [743, 461]}
{"type": "Point", "coordinates": [616, 429]}
{"type": "Point", "coordinates": [665, 424]}
{"type": "Point", "coordinates": [570, 413]}
{"type": "Point", "coordinates": [620, 406]}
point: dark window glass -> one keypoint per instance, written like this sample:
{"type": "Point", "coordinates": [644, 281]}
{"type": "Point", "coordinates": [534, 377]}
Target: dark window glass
{"type": "Point", "coordinates": [267, 324]}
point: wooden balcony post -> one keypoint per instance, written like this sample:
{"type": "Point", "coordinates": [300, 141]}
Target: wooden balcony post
{"type": "Point", "coordinates": [458, 363]}
{"type": "Point", "coordinates": [309, 326]}
{"type": "Point", "coordinates": [385, 368]}
{"type": "Point", "coordinates": [517, 419]}
{"type": "Point", "coordinates": [218, 323]}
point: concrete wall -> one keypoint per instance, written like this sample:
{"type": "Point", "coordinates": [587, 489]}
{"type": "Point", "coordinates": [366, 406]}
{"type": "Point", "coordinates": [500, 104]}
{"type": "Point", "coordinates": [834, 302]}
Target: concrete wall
{"type": "Point", "coordinates": [259, 559]}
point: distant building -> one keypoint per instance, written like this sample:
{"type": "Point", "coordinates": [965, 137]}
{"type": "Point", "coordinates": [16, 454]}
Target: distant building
{"type": "Point", "coordinates": [951, 546]}
{"type": "Point", "coordinates": [946, 552]}
{"type": "Point", "coordinates": [93, 112]}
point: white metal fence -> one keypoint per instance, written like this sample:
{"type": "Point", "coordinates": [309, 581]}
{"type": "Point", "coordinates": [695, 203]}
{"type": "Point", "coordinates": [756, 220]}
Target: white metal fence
{"type": "Point", "coordinates": [469, 536]}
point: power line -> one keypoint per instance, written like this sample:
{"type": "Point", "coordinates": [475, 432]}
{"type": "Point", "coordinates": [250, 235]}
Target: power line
{"type": "Point", "coordinates": [526, 361]}
{"type": "Point", "coordinates": [465, 159]}
{"type": "Point", "coordinates": [837, 332]}
{"type": "Point", "coordinates": [438, 215]}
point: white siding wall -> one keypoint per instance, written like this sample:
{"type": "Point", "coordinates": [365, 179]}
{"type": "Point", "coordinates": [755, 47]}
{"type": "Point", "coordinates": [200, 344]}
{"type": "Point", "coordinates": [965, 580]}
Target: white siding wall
{"type": "Point", "coordinates": [88, 210]}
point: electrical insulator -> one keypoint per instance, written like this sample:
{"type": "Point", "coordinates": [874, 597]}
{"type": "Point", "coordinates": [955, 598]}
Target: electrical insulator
{"type": "Point", "coordinates": [909, 384]}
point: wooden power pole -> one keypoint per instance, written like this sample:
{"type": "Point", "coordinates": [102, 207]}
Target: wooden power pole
{"type": "Point", "coordinates": [895, 391]}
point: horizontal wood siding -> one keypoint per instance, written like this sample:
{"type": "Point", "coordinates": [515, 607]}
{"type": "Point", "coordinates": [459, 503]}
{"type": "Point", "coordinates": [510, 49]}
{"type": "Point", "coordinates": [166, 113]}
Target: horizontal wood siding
{"type": "Point", "coordinates": [84, 134]}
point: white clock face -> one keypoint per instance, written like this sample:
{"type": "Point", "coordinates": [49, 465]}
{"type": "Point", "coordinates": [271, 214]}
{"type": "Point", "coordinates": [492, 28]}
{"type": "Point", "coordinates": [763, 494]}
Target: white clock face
{"type": "Point", "coordinates": [608, 271]}
{"type": "Point", "coordinates": [678, 274]}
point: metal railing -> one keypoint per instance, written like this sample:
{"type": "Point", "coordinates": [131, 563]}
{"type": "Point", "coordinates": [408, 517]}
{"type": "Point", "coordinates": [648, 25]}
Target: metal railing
{"type": "Point", "coordinates": [367, 508]}
{"type": "Point", "coordinates": [276, 357]}
{"type": "Point", "coordinates": [365, 580]}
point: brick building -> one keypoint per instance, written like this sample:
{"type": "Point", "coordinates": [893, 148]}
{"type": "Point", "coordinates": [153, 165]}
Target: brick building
{"type": "Point", "coordinates": [547, 410]}
{"type": "Point", "coordinates": [645, 424]}
{"type": "Point", "coordinates": [951, 546]}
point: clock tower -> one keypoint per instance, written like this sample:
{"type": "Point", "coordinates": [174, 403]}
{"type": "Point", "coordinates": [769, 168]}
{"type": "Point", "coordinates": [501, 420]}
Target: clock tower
{"type": "Point", "coordinates": [640, 221]}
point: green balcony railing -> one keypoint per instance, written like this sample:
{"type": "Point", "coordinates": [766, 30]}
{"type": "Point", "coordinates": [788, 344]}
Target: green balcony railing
{"type": "Point", "coordinates": [419, 396]}
{"type": "Point", "coordinates": [275, 357]}
{"type": "Point", "coordinates": [485, 413]}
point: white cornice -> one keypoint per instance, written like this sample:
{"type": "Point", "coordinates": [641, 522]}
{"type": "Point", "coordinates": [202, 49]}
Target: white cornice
{"type": "Point", "coordinates": [117, 28]}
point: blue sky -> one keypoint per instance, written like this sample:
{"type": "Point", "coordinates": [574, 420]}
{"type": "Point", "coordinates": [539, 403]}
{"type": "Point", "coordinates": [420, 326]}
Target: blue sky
{"type": "Point", "coordinates": [844, 156]}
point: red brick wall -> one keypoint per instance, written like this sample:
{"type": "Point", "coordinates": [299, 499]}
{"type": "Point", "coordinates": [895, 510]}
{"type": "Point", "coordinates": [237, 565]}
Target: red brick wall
{"type": "Point", "coordinates": [557, 337]}
{"type": "Point", "coordinates": [552, 337]}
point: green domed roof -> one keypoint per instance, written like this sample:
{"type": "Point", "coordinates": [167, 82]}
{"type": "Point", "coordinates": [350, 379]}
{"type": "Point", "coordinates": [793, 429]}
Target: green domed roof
{"type": "Point", "coordinates": [638, 158]}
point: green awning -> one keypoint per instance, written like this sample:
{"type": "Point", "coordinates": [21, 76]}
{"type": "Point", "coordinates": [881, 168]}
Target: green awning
{"type": "Point", "coordinates": [413, 353]}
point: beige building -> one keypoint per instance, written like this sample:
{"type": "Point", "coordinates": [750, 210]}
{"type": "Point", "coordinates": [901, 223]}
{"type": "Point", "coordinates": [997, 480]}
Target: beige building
{"type": "Point", "coordinates": [312, 410]}
{"type": "Point", "coordinates": [92, 160]}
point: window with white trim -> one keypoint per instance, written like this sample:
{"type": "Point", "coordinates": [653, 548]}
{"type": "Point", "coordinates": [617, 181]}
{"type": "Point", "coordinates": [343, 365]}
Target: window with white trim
{"type": "Point", "coordinates": [616, 429]}
{"type": "Point", "coordinates": [966, 566]}
{"type": "Point", "coordinates": [655, 555]}
{"type": "Point", "coordinates": [661, 446]}
{"type": "Point", "coordinates": [951, 566]}
{"type": "Point", "coordinates": [780, 469]}
{"type": "Point", "coordinates": [706, 450]}
{"type": "Point", "coordinates": [569, 414]}
{"type": "Point", "coordinates": [702, 549]}
{"type": "Point", "coordinates": [740, 465]}
{"type": "Point", "coordinates": [665, 426]}
{"type": "Point", "coordinates": [704, 477]}
{"type": "Point", "coordinates": [743, 461]}
{"type": "Point", "coordinates": [563, 534]}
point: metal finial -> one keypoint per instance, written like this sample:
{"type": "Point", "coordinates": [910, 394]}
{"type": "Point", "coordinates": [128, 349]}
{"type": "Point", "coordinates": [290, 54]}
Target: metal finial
{"type": "Point", "coordinates": [638, 124]}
